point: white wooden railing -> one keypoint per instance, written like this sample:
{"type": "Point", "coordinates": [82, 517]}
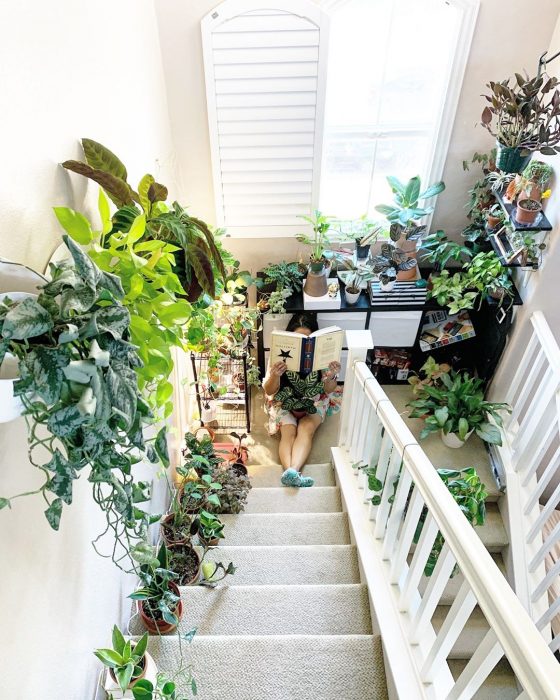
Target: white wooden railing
{"type": "Point", "coordinates": [530, 457]}
{"type": "Point", "coordinates": [373, 433]}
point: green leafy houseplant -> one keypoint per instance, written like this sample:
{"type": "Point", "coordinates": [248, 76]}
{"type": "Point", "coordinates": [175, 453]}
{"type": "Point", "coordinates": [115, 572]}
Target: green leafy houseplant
{"type": "Point", "coordinates": [486, 273]}
{"type": "Point", "coordinates": [126, 660]}
{"type": "Point", "coordinates": [318, 241]}
{"type": "Point", "coordinates": [164, 689]}
{"type": "Point", "coordinates": [431, 371]}
{"type": "Point", "coordinates": [210, 527]}
{"type": "Point", "coordinates": [406, 210]}
{"type": "Point", "coordinates": [453, 290]}
{"type": "Point", "coordinates": [391, 261]}
{"type": "Point", "coordinates": [439, 250]}
{"type": "Point", "coordinates": [300, 393]}
{"type": "Point", "coordinates": [284, 275]}
{"type": "Point", "coordinates": [457, 406]}
{"type": "Point", "coordinates": [234, 492]}
{"type": "Point", "coordinates": [78, 381]}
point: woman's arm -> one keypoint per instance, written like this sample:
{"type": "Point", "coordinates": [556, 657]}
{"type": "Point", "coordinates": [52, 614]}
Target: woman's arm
{"type": "Point", "coordinates": [330, 377]}
{"type": "Point", "coordinates": [271, 382]}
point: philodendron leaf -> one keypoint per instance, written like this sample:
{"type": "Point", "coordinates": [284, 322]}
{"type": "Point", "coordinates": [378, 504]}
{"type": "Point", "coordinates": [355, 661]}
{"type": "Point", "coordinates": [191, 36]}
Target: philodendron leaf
{"type": "Point", "coordinates": [122, 395]}
{"type": "Point", "coordinates": [113, 319]}
{"type": "Point", "coordinates": [143, 187]}
{"type": "Point", "coordinates": [75, 224]}
{"type": "Point", "coordinates": [111, 283]}
{"type": "Point", "coordinates": [157, 192]}
{"type": "Point", "coordinates": [47, 370]}
{"type": "Point", "coordinates": [160, 446]}
{"type": "Point", "coordinates": [80, 300]}
{"type": "Point", "coordinates": [53, 513]}
{"type": "Point", "coordinates": [104, 212]}
{"type": "Point", "coordinates": [65, 421]}
{"type": "Point", "coordinates": [26, 320]}
{"type": "Point", "coordinates": [85, 267]}
{"type": "Point", "coordinates": [64, 474]}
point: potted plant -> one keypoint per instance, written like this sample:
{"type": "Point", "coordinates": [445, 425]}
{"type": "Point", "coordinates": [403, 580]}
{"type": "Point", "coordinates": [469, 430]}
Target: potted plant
{"type": "Point", "coordinates": [353, 287]}
{"type": "Point", "coordinates": [524, 117]}
{"type": "Point", "coordinates": [456, 409]}
{"type": "Point", "coordinates": [126, 660]}
{"type": "Point", "coordinates": [363, 231]}
{"type": "Point", "coordinates": [391, 261]}
{"type": "Point", "coordinates": [210, 571]}
{"type": "Point", "coordinates": [453, 290]}
{"type": "Point", "coordinates": [185, 562]}
{"type": "Point", "coordinates": [535, 179]}
{"type": "Point", "coordinates": [527, 211]}
{"type": "Point", "coordinates": [299, 394]}
{"type": "Point", "coordinates": [432, 372]}
{"type": "Point", "coordinates": [439, 250]}
{"type": "Point", "coordinates": [319, 265]}
{"type": "Point", "coordinates": [210, 529]}
{"type": "Point", "coordinates": [177, 525]}
{"type": "Point", "coordinates": [354, 275]}
{"type": "Point", "coordinates": [159, 600]}
{"type": "Point", "coordinates": [495, 216]}
{"type": "Point", "coordinates": [234, 492]}
{"type": "Point", "coordinates": [487, 274]}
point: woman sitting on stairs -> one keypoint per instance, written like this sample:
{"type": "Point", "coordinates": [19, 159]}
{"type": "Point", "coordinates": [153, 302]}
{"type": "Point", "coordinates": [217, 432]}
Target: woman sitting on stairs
{"type": "Point", "coordinates": [297, 429]}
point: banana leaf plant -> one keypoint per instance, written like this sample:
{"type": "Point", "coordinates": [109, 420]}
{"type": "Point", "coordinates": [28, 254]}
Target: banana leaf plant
{"type": "Point", "coordinates": [78, 385]}
{"type": "Point", "coordinates": [300, 392]}
{"type": "Point", "coordinates": [197, 259]}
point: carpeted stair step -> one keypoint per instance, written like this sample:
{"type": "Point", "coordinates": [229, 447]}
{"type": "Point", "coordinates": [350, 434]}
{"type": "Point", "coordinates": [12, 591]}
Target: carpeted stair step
{"type": "Point", "coordinates": [263, 529]}
{"type": "Point", "coordinates": [318, 564]}
{"type": "Point", "coordinates": [493, 533]}
{"type": "Point", "coordinates": [471, 635]}
{"type": "Point", "coordinates": [453, 585]}
{"type": "Point", "coordinates": [279, 610]}
{"type": "Point", "coordinates": [279, 667]}
{"type": "Point", "coordinates": [268, 475]}
{"type": "Point", "coordinates": [500, 684]}
{"type": "Point", "coordinates": [318, 499]}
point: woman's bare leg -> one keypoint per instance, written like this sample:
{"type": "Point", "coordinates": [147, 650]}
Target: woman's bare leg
{"type": "Point", "coordinates": [287, 438]}
{"type": "Point", "coordinates": [301, 447]}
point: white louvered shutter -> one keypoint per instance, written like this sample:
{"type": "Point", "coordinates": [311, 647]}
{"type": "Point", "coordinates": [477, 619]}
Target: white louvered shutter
{"type": "Point", "coordinates": [265, 70]}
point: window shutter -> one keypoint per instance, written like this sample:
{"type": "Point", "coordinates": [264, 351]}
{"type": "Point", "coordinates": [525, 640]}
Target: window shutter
{"type": "Point", "coordinates": [265, 72]}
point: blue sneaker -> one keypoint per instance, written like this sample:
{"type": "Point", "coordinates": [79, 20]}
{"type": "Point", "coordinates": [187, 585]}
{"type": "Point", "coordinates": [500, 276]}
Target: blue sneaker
{"type": "Point", "coordinates": [292, 477]}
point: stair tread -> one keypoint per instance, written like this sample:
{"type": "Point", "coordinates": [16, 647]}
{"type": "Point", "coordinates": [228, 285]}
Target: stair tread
{"type": "Point", "coordinates": [289, 565]}
{"type": "Point", "coordinates": [258, 529]}
{"type": "Point", "coordinates": [267, 475]}
{"type": "Point", "coordinates": [471, 635]}
{"type": "Point", "coordinates": [286, 610]}
{"type": "Point", "coordinates": [279, 499]}
{"type": "Point", "coordinates": [280, 667]}
{"type": "Point", "coordinates": [493, 533]}
{"type": "Point", "coordinates": [500, 684]}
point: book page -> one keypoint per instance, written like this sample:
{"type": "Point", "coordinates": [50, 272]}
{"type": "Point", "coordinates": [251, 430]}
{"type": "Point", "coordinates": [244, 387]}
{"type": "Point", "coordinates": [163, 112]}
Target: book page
{"type": "Point", "coordinates": [328, 348]}
{"type": "Point", "coordinates": [287, 347]}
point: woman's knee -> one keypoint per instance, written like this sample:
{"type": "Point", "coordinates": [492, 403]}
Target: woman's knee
{"type": "Point", "coordinates": [308, 426]}
{"type": "Point", "coordinates": [288, 432]}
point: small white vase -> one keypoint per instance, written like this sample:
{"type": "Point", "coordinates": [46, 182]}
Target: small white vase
{"type": "Point", "coordinates": [208, 412]}
{"type": "Point", "coordinates": [351, 297]}
{"type": "Point", "coordinates": [453, 440]}
{"type": "Point", "coordinates": [387, 287]}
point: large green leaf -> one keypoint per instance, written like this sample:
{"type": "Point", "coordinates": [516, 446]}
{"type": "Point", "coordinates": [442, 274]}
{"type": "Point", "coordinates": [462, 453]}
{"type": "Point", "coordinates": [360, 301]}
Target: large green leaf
{"type": "Point", "coordinates": [121, 394]}
{"type": "Point", "coordinates": [64, 474]}
{"type": "Point", "coordinates": [101, 158]}
{"type": "Point", "coordinates": [412, 191]}
{"type": "Point", "coordinates": [160, 445]}
{"type": "Point", "coordinates": [432, 190]}
{"type": "Point", "coordinates": [117, 189]}
{"type": "Point", "coordinates": [143, 187]}
{"type": "Point", "coordinates": [48, 375]}
{"type": "Point", "coordinates": [53, 513]}
{"type": "Point", "coordinates": [79, 300]}
{"type": "Point", "coordinates": [65, 422]}
{"type": "Point", "coordinates": [157, 192]}
{"type": "Point", "coordinates": [85, 267]}
{"type": "Point", "coordinates": [75, 224]}
{"type": "Point", "coordinates": [202, 269]}
{"type": "Point", "coordinates": [26, 320]}
{"type": "Point", "coordinates": [113, 319]}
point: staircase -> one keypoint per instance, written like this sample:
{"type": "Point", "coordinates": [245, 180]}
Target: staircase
{"type": "Point", "coordinates": [294, 621]}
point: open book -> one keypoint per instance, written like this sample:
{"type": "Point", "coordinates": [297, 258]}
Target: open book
{"type": "Point", "coordinates": [304, 353]}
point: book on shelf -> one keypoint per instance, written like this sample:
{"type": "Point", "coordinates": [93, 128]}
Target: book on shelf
{"type": "Point", "coordinates": [442, 329]}
{"type": "Point", "coordinates": [307, 353]}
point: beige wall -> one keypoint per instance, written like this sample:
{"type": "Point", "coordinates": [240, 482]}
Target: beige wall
{"type": "Point", "coordinates": [506, 40]}
{"type": "Point", "coordinates": [67, 69]}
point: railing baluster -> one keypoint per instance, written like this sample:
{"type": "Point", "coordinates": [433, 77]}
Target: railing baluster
{"type": "Point", "coordinates": [545, 515]}
{"type": "Point", "coordinates": [460, 611]}
{"type": "Point", "coordinates": [407, 534]}
{"type": "Point", "coordinates": [519, 375]}
{"type": "Point", "coordinates": [432, 595]}
{"type": "Point", "coordinates": [550, 541]}
{"type": "Point", "coordinates": [549, 615]}
{"type": "Point", "coordinates": [397, 513]}
{"type": "Point", "coordinates": [543, 481]}
{"type": "Point", "coordinates": [356, 422]}
{"type": "Point", "coordinates": [528, 386]}
{"type": "Point", "coordinates": [381, 471]}
{"type": "Point", "coordinates": [486, 656]}
{"type": "Point", "coordinates": [543, 586]}
{"type": "Point", "coordinates": [528, 462]}
{"type": "Point", "coordinates": [423, 548]}
{"type": "Point", "coordinates": [389, 489]}
{"type": "Point", "coordinates": [536, 411]}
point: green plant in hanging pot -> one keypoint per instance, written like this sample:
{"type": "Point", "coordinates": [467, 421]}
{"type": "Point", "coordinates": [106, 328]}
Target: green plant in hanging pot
{"type": "Point", "coordinates": [78, 385]}
{"type": "Point", "coordinates": [126, 660]}
{"type": "Point", "coordinates": [524, 117]}
{"type": "Point", "coordinates": [456, 409]}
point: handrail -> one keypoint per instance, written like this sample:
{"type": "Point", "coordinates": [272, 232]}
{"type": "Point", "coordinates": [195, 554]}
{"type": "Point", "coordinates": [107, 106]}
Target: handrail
{"type": "Point", "coordinates": [533, 663]}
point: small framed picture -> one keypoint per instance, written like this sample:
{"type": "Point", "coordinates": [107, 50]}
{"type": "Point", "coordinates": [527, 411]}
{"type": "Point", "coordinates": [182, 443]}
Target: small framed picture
{"type": "Point", "coordinates": [508, 248]}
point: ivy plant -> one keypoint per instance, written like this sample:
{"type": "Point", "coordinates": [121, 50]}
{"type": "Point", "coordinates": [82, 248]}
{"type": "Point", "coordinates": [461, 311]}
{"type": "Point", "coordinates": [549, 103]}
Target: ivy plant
{"type": "Point", "coordinates": [78, 385]}
{"type": "Point", "coordinates": [300, 392]}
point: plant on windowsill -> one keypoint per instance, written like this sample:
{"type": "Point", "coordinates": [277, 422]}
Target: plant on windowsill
{"type": "Point", "coordinates": [319, 260]}
{"type": "Point", "coordinates": [126, 660]}
{"type": "Point", "coordinates": [523, 118]}
{"type": "Point", "coordinates": [363, 231]}
{"type": "Point", "coordinates": [78, 383]}
{"type": "Point", "coordinates": [456, 409]}
{"type": "Point", "coordinates": [439, 250]}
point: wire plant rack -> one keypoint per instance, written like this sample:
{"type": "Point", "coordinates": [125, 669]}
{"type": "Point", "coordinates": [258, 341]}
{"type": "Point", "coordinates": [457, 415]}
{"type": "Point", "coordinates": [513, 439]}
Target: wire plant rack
{"type": "Point", "coordinates": [223, 393]}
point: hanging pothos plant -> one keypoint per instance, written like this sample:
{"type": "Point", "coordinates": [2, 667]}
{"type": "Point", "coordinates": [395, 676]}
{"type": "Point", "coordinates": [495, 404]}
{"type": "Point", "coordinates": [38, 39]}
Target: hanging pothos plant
{"type": "Point", "coordinates": [78, 384]}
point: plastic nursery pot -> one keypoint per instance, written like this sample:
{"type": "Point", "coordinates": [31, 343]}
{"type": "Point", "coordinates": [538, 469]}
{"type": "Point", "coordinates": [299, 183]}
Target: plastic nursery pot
{"type": "Point", "coordinates": [168, 533]}
{"type": "Point", "coordinates": [527, 211]}
{"type": "Point", "coordinates": [453, 440]}
{"type": "Point", "coordinates": [298, 414]}
{"type": "Point", "coordinates": [362, 251]}
{"type": "Point", "coordinates": [185, 562]}
{"type": "Point", "coordinates": [510, 160]}
{"type": "Point", "coordinates": [352, 297]}
{"type": "Point", "coordinates": [160, 626]}
{"type": "Point", "coordinates": [143, 665]}
{"type": "Point", "coordinates": [239, 469]}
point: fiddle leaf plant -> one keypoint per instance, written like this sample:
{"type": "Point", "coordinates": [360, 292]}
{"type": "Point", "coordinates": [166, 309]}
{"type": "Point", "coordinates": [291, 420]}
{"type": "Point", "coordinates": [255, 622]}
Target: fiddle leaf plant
{"type": "Point", "coordinates": [78, 385]}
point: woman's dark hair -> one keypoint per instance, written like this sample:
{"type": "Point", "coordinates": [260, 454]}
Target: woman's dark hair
{"type": "Point", "coordinates": [303, 320]}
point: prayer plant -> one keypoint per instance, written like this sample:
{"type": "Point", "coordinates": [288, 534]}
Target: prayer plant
{"type": "Point", "coordinates": [78, 385]}
{"type": "Point", "coordinates": [299, 394]}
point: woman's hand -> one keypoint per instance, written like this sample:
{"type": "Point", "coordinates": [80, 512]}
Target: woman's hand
{"type": "Point", "coordinates": [278, 368]}
{"type": "Point", "coordinates": [332, 372]}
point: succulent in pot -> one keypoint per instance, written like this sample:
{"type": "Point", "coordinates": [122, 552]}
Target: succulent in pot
{"type": "Point", "coordinates": [527, 211]}
{"type": "Point", "coordinates": [159, 599]}
{"type": "Point", "coordinates": [456, 408]}
{"type": "Point", "coordinates": [126, 660]}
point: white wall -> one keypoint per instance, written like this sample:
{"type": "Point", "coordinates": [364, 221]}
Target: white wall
{"type": "Point", "coordinates": [506, 40]}
{"type": "Point", "coordinates": [68, 69]}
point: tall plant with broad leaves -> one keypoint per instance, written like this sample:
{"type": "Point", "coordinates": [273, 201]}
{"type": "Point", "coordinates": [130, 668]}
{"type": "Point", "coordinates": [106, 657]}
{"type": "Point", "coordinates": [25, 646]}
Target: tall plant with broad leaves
{"type": "Point", "coordinates": [78, 384]}
{"type": "Point", "coordinates": [406, 210]}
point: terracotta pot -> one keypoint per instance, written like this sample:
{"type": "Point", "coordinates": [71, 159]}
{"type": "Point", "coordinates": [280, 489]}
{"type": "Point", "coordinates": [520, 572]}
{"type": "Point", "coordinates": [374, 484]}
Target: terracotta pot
{"type": "Point", "coordinates": [167, 519]}
{"type": "Point", "coordinates": [493, 221]}
{"type": "Point", "coordinates": [533, 191]}
{"type": "Point", "coordinates": [160, 626]}
{"type": "Point", "coordinates": [135, 679]}
{"type": "Point", "coordinates": [196, 575]}
{"type": "Point", "coordinates": [209, 543]}
{"type": "Point", "coordinates": [524, 215]}
{"type": "Point", "coordinates": [453, 440]}
{"type": "Point", "coordinates": [316, 283]}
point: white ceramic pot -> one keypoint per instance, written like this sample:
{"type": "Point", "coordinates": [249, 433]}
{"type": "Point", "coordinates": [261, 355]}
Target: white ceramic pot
{"type": "Point", "coordinates": [11, 406]}
{"type": "Point", "coordinates": [453, 440]}
{"type": "Point", "coordinates": [387, 287]}
{"type": "Point", "coordinates": [109, 685]}
{"type": "Point", "coordinates": [351, 297]}
{"type": "Point", "coordinates": [208, 412]}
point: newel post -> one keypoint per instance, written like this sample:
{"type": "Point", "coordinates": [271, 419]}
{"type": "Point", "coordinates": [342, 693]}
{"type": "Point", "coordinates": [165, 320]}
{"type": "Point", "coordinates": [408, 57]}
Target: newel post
{"type": "Point", "coordinates": [359, 342]}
